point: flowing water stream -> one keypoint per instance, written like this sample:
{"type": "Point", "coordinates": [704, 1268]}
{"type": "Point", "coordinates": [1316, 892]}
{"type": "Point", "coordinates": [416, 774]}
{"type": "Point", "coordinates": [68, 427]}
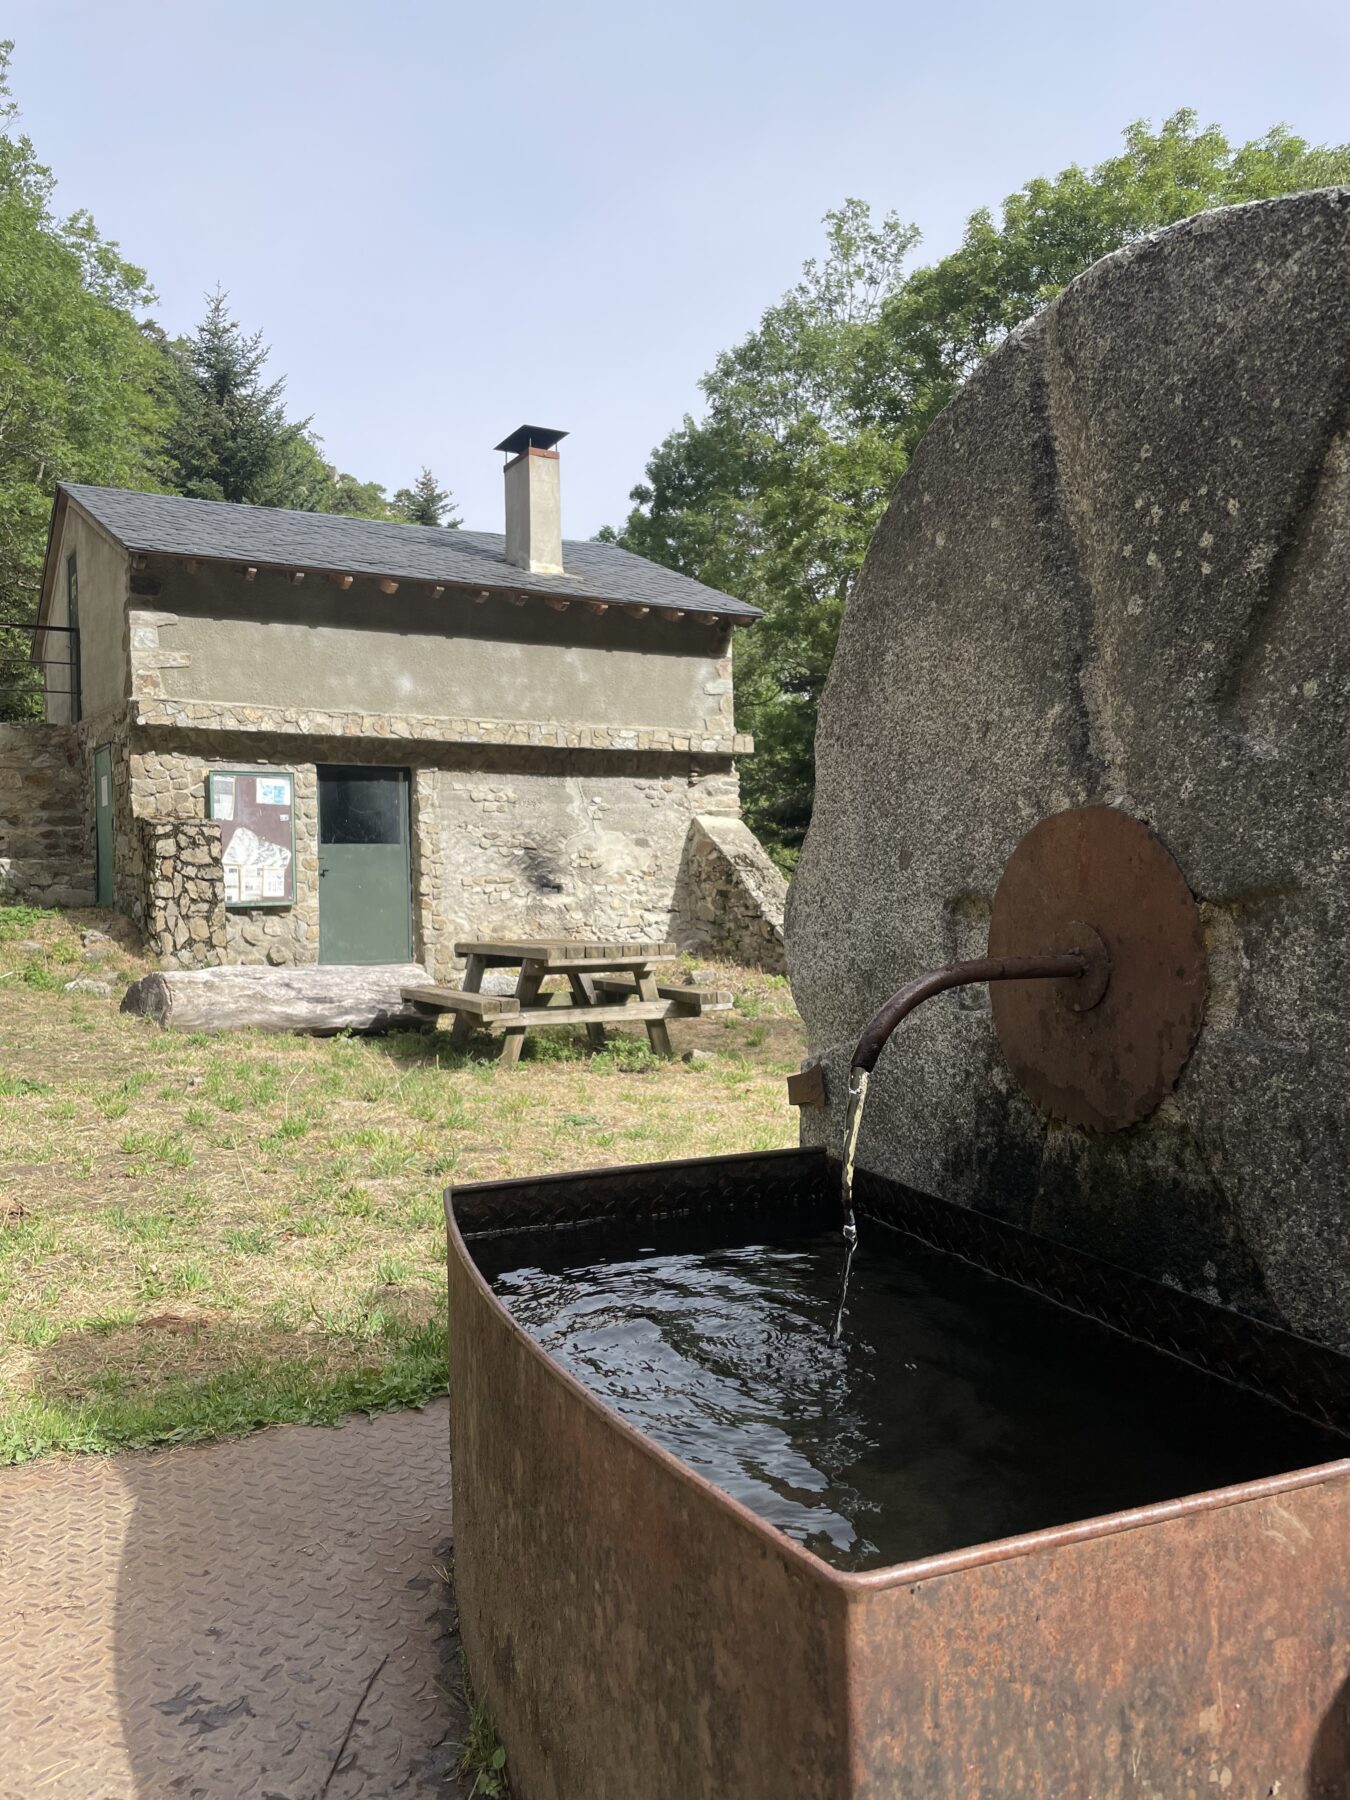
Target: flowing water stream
{"type": "Point", "coordinates": [857, 1100]}
{"type": "Point", "coordinates": [958, 1408]}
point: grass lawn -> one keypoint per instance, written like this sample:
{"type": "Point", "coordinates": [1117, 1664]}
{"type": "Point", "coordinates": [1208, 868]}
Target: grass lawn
{"type": "Point", "coordinates": [201, 1234]}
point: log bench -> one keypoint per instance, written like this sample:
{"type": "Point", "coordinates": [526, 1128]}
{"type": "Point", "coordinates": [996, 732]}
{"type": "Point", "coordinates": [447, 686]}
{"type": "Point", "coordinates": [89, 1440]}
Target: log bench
{"type": "Point", "coordinates": [322, 998]}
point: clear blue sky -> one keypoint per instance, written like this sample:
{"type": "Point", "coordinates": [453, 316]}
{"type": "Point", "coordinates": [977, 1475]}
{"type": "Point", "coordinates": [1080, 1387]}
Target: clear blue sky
{"type": "Point", "coordinates": [450, 219]}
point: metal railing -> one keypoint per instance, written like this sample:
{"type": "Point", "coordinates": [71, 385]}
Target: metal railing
{"type": "Point", "coordinates": [54, 678]}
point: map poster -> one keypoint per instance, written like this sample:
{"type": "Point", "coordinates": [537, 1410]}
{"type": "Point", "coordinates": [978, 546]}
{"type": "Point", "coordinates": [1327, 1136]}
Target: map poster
{"type": "Point", "coordinates": [256, 811]}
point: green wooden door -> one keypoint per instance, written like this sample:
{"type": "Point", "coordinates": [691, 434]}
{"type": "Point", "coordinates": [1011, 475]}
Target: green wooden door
{"type": "Point", "coordinates": [103, 827]}
{"type": "Point", "coordinates": [365, 886]}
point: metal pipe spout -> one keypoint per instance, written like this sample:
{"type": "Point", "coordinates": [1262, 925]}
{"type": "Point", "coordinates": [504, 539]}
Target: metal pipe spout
{"type": "Point", "coordinates": [1072, 965]}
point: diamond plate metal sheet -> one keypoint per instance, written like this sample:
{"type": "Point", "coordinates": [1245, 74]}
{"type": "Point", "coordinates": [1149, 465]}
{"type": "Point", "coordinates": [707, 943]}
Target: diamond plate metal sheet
{"type": "Point", "coordinates": [262, 1618]}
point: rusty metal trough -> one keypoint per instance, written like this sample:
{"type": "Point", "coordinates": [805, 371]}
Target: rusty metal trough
{"type": "Point", "coordinates": [638, 1635]}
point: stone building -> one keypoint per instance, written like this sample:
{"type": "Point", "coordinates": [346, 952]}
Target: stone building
{"type": "Point", "coordinates": [293, 737]}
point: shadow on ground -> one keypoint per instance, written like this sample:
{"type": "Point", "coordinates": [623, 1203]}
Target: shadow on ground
{"type": "Point", "coordinates": [267, 1616]}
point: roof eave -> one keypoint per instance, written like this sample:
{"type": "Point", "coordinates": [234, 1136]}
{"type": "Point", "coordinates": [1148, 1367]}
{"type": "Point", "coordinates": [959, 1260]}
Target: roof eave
{"type": "Point", "coordinates": [734, 614]}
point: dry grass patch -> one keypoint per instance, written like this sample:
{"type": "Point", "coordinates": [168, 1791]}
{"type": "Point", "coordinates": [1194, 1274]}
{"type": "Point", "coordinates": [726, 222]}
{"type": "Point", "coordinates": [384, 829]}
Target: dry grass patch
{"type": "Point", "coordinates": [201, 1234]}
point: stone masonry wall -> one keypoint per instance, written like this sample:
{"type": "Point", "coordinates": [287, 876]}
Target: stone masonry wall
{"type": "Point", "coordinates": [46, 843]}
{"type": "Point", "coordinates": [530, 841]}
{"type": "Point", "coordinates": [185, 903]}
{"type": "Point", "coordinates": [733, 894]}
{"type": "Point", "coordinates": [170, 785]}
{"type": "Point", "coordinates": [558, 846]}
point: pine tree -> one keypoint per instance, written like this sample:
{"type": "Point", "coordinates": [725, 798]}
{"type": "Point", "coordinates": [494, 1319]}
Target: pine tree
{"type": "Point", "coordinates": [424, 503]}
{"type": "Point", "coordinates": [230, 438]}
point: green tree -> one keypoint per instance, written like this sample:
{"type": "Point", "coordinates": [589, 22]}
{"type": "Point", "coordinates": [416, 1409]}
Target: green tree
{"type": "Point", "coordinates": [773, 495]}
{"type": "Point", "coordinates": [358, 499]}
{"type": "Point", "coordinates": [810, 420]}
{"type": "Point", "coordinates": [229, 437]}
{"type": "Point", "coordinates": [425, 503]}
{"type": "Point", "coordinates": [78, 379]}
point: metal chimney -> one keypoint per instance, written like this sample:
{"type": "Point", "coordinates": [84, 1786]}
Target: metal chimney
{"type": "Point", "coordinates": [533, 500]}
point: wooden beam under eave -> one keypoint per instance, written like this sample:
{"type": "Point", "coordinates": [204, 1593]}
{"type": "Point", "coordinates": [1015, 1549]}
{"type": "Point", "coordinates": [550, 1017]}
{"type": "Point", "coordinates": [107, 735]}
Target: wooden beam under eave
{"type": "Point", "coordinates": [436, 590]}
{"type": "Point", "coordinates": [596, 606]}
{"type": "Point", "coordinates": [191, 565]}
{"type": "Point", "coordinates": [557, 604]}
{"type": "Point", "coordinates": [249, 572]}
{"type": "Point", "coordinates": [386, 586]}
{"type": "Point", "coordinates": [139, 562]}
{"type": "Point", "coordinates": [482, 597]}
{"type": "Point", "coordinates": [297, 577]}
{"type": "Point", "coordinates": [670, 614]}
{"type": "Point", "coordinates": [637, 612]}
{"type": "Point", "coordinates": [342, 581]}
{"type": "Point", "coordinates": [519, 599]}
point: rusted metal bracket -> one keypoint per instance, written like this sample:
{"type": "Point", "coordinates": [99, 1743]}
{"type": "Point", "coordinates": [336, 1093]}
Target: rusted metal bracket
{"type": "Point", "coordinates": [1107, 1064]}
{"type": "Point", "coordinates": [807, 1086]}
{"type": "Point", "coordinates": [1098, 958]}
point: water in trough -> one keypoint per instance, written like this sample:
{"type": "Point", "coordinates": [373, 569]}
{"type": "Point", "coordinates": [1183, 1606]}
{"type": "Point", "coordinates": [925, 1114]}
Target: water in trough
{"type": "Point", "coordinates": [956, 1409]}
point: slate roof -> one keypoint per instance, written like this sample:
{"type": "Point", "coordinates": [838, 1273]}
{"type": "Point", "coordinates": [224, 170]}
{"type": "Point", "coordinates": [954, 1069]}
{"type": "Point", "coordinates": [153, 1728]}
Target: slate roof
{"type": "Point", "coordinates": [268, 535]}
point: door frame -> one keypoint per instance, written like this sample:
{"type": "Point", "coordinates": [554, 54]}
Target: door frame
{"type": "Point", "coordinates": [104, 868]}
{"type": "Point", "coordinates": [405, 784]}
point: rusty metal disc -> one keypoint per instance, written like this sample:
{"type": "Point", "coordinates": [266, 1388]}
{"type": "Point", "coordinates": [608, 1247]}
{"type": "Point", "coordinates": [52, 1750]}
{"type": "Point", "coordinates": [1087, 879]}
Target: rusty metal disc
{"type": "Point", "coordinates": [1101, 1052]}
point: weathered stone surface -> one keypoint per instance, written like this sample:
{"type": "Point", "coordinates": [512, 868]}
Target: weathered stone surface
{"type": "Point", "coordinates": [734, 892]}
{"type": "Point", "coordinates": [46, 841]}
{"type": "Point", "coordinates": [184, 910]}
{"type": "Point", "coordinates": [1117, 571]}
{"type": "Point", "coordinates": [153, 708]}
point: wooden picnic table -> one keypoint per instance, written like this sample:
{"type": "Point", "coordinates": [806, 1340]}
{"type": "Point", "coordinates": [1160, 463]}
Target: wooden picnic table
{"type": "Point", "coordinates": [608, 982]}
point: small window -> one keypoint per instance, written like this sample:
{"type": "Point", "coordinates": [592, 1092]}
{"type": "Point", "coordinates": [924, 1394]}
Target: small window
{"type": "Point", "coordinates": [361, 806]}
{"type": "Point", "coordinates": [73, 635]}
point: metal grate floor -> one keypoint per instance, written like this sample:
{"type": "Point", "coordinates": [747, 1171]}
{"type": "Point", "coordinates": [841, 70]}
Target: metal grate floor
{"type": "Point", "coordinates": [258, 1618]}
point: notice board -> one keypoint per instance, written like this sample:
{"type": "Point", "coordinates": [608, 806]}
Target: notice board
{"type": "Point", "coordinates": [256, 811]}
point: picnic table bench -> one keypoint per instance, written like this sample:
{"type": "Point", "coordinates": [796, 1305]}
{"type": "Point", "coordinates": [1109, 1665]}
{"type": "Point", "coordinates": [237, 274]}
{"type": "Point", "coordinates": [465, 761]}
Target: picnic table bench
{"type": "Point", "coordinates": [608, 983]}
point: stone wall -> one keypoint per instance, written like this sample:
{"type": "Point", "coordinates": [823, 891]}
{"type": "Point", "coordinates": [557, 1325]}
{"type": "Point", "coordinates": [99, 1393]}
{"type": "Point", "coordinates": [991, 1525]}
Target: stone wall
{"type": "Point", "coordinates": [558, 846]}
{"type": "Point", "coordinates": [733, 894]}
{"type": "Point", "coordinates": [719, 739]}
{"type": "Point", "coordinates": [169, 784]}
{"type": "Point", "coordinates": [540, 842]}
{"type": "Point", "coordinates": [529, 840]}
{"type": "Point", "coordinates": [46, 827]}
{"type": "Point", "coordinates": [1116, 572]}
{"type": "Point", "coordinates": [185, 899]}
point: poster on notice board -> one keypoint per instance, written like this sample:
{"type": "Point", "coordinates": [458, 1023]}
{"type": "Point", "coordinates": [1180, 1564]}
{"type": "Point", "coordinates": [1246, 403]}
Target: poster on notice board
{"type": "Point", "coordinates": [256, 811]}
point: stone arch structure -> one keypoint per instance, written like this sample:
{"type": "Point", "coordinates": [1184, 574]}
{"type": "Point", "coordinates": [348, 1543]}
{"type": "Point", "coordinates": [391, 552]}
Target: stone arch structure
{"type": "Point", "coordinates": [1118, 570]}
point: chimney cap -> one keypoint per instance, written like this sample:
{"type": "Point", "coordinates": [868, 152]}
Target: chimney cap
{"type": "Point", "coordinates": [530, 437]}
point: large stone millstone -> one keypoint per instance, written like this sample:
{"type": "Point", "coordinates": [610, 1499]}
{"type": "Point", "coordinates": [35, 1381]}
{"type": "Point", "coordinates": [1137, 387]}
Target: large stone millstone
{"type": "Point", "coordinates": [1118, 570]}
